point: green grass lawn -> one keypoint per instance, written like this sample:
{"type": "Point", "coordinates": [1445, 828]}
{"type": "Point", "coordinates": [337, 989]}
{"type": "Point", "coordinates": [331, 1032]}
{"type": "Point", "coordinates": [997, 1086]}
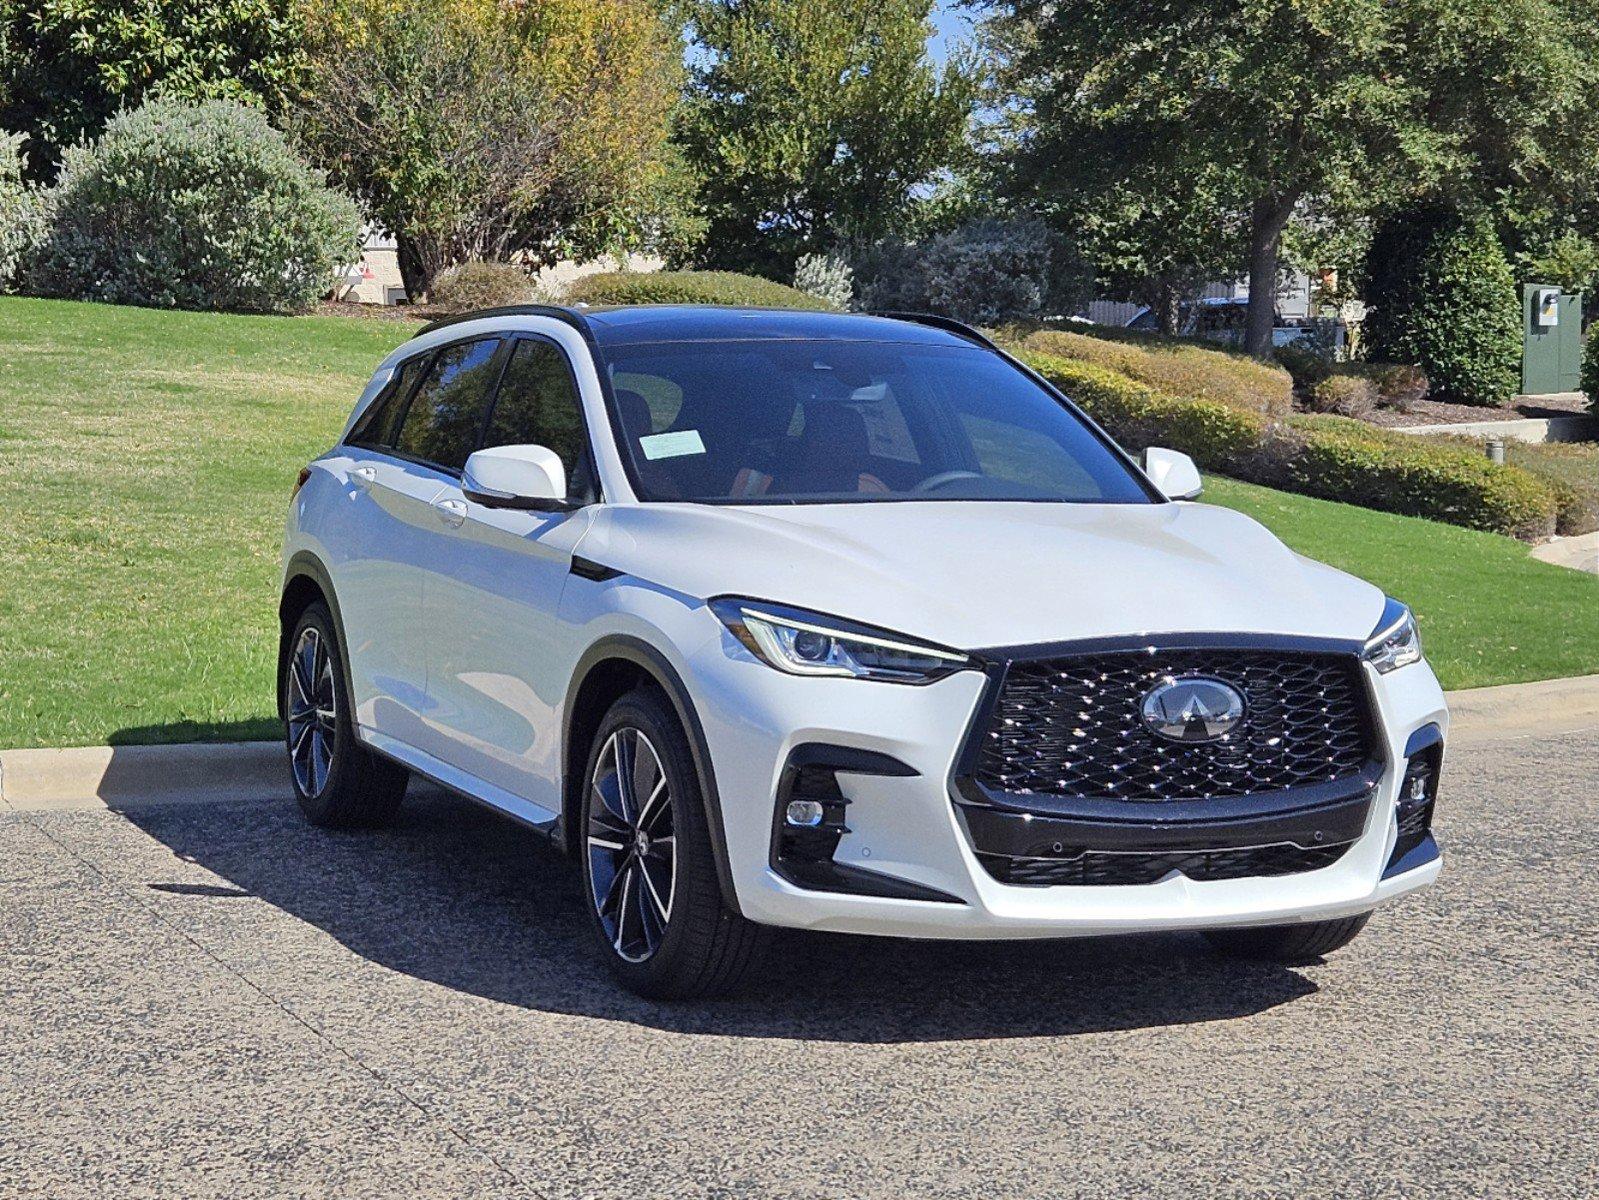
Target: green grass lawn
{"type": "Point", "coordinates": [145, 466]}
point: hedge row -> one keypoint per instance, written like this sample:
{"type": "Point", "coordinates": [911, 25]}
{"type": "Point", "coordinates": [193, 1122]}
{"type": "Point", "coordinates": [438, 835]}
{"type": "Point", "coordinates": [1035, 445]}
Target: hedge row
{"type": "Point", "coordinates": [688, 287]}
{"type": "Point", "coordinates": [1331, 457]}
{"type": "Point", "coordinates": [1178, 368]}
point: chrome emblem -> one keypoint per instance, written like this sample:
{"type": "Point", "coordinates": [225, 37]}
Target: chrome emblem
{"type": "Point", "coordinates": [1193, 709]}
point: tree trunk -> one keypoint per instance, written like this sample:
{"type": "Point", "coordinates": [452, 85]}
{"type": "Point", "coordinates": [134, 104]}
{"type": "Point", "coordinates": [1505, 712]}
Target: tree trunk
{"type": "Point", "coordinates": [1169, 307]}
{"type": "Point", "coordinates": [414, 271]}
{"type": "Point", "coordinates": [1265, 239]}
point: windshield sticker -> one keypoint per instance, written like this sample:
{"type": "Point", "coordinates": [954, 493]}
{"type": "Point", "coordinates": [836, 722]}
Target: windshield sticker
{"type": "Point", "coordinates": [672, 445]}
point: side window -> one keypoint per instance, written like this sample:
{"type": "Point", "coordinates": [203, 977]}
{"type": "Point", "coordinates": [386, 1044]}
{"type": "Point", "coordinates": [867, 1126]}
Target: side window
{"type": "Point", "coordinates": [538, 404]}
{"type": "Point", "coordinates": [441, 424]}
{"type": "Point", "coordinates": [376, 426]}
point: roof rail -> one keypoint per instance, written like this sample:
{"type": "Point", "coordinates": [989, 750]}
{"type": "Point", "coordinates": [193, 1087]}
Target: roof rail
{"type": "Point", "coordinates": [570, 316]}
{"type": "Point", "coordinates": [947, 324]}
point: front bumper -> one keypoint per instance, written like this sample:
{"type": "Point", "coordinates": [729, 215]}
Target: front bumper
{"type": "Point", "coordinates": [907, 827]}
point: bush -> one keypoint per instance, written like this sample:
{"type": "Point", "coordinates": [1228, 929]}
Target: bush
{"type": "Point", "coordinates": [689, 287]}
{"type": "Point", "coordinates": [180, 205]}
{"type": "Point", "coordinates": [22, 211]}
{"type": "Point", "coordinates": [1590, 370]}
{"type": "Point", "coordinates": [1331, 457]}
{"type": "Point", "coordinates": [476, 284]}
{"type": "Point", "coordinates": [1347, 395]}
{"type": "Point", "coordinates": [1305, 366]}
{"type": "Point", "coordinates": [983, 272]}
{"type": "Point", "coordinates": [1441, 294]}
{"type": "Point", "coordinates": [1180, 369]}
{"type": "Point", "coordinates": [1398, 385]}
{"type": "Point", "coordinates": [826, 278]}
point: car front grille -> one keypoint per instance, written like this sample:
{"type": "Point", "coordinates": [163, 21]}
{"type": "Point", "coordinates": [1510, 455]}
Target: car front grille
{"type": "Point", "coordinates": [1100, 869]}
{"type": "Point", "coordinates": [1072, 726]}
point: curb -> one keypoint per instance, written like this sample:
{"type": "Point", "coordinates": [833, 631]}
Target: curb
{"type": "Point", "coordinates": [120, 777]}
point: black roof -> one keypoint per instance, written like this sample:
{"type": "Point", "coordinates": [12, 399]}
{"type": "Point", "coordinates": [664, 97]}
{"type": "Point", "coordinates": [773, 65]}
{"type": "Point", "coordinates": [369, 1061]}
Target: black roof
{"type": "Point", "coordinates": [634, 324]}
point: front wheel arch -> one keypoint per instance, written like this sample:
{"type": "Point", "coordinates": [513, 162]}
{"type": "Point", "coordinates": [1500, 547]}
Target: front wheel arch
{"type": "Point", "coordinates": [609, 669]}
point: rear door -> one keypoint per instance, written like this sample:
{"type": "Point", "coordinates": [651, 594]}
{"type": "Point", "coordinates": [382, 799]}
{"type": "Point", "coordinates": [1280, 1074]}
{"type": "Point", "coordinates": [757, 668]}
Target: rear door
{"type": "Point", "coordinates": [403, 459]}
{"type": "Point", "coordinates": [498, 668]}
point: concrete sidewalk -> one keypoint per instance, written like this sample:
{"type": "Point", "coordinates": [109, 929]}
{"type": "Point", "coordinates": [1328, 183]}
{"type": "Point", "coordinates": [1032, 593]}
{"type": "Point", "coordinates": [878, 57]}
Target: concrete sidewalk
{"type": "Point", "coordinates": [121, 777]}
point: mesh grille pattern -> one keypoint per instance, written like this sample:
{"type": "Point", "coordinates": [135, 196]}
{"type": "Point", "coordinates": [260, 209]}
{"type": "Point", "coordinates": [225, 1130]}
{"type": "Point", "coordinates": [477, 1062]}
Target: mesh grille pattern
{"type": "Point", "coordinates": [1073, 726]}
{"type": "Point", "coordinates": [1095, 869]}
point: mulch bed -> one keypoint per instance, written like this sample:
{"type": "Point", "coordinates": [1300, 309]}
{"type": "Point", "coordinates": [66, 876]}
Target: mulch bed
{"type": "Point", "coordinates": [1435, 412]}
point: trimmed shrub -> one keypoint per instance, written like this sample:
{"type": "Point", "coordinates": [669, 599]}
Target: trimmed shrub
{"type": "Point", "coordinates": [1304, 366]}
{"type": "Point", "coordinates": [826, 278]}
{"type": "Point", "coordinates": [982, 273]}
{"type": "Point", "coordinates": [1339, 459]}
{"type": "Point", "coordinates": [689, 287]}
{"type": "Point", "coordinates": [1346, 395]}
{"type": "Point", "coordinates": [476, 284]}
{"type": "Point", "coordinates": [1441, 294]}
{"type": "Point", "coordinates": [22, 210]}
{"type": "Point", "coordinates": [180, 205]}
{"type": "Point", "coordinates": [1331, 457]}
{"type": "Point", "coordinates": [1590, 370]}
{"type": "Point", "coordinates": [1179, 368]}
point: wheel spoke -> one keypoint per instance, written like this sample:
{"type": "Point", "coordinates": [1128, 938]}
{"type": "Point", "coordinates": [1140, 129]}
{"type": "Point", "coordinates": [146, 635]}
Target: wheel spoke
{"type": "Point", "coordinates": [663, 907]}
{"type": "Point", "coordinates": [624, 774]}
{"type": "Point", "coordinates": [312, 712]}
{"type": "Point", "coordinates": [622, 908]}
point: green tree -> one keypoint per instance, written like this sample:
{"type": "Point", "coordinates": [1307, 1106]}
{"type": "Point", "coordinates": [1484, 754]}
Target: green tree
{"type": "Point", "coordinates": [1440, 294]}
{"type": "Point", "coordinates": [479, 130]}
{"type": "Point", "coordinates": [812, 123]}
{"type": "Point", "coordinates": [1231, 111]}
{"type": "Point", "coordinates": [66, 66]}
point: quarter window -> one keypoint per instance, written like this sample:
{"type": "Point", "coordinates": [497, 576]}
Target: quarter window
{"type": "Point", "coordinates": [376, 426]}
{"type": "Point", "coordinates": [442, 422]}
{"type": "Point", "coordinates": [538, 405]}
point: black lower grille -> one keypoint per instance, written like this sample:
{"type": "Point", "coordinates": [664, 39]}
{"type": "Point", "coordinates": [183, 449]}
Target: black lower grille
{"type": "Point", "coordinates": [1072, 726]}
{"type": "Point", "coordinates": [1098, 869]}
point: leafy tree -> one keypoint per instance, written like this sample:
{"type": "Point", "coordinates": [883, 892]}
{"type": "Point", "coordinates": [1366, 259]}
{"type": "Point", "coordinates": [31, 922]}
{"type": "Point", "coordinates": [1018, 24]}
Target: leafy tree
{"type": "Point", "coordinates": [1440, 294]}
{"type": "Point", "coordinates": [813, 123]}
{"type": "Point", "coordinates": [1231, 111]}
{"type": "Point", "coordinates": [67, 65]}
{"type": "Point", "coordinates": [478, 130]}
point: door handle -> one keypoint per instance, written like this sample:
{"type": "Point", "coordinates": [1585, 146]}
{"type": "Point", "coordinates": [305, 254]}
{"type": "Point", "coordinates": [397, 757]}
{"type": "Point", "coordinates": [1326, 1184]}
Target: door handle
{"type": "Point", "coordinates": [364, 477]}
{"type": "Point", "coordinates": [452, 512]}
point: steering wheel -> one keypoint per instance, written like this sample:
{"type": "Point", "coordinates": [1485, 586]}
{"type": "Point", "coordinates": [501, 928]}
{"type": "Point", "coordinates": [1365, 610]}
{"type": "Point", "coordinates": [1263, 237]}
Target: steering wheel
{"type": "Point", "coordinates": [933, 482]}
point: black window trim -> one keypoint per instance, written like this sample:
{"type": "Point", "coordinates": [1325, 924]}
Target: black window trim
{"type": "Point", "coordinates": [403, 402]}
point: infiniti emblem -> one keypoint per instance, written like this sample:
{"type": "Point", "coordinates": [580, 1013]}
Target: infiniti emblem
{"type": "Point", "coordinates": [1193, 708]}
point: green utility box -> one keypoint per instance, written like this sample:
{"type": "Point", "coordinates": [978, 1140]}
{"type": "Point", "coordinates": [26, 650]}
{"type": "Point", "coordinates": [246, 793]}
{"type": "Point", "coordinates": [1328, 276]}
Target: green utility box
{"type": "Point", "coordinates": [1551, 329]}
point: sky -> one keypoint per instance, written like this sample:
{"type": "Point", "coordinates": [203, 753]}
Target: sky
{"type": "Point", "coordinates": [953, 26]}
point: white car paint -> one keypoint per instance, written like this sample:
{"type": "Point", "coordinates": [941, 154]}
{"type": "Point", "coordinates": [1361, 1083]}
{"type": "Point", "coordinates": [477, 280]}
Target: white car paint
{"type": "Point", "coordinates": [464, 635]}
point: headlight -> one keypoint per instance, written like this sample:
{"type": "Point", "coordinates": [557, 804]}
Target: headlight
{"type": "Point", "coordinates": [1395, 642]}
{"type": "Point", "coordinates": [805, 643]}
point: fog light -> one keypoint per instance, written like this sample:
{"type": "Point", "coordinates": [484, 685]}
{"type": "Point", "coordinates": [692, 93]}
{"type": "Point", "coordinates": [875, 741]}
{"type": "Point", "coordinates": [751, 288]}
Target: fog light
{"type": "Point", "coordinates": [807, 813]}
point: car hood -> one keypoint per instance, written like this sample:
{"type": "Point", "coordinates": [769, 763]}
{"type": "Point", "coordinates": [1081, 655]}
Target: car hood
{"type": "Point", "coordinates": [975, 574]}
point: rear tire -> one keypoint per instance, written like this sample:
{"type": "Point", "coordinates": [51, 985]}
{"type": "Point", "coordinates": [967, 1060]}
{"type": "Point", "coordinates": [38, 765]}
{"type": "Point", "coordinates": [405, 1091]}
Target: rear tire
{"type": "Point", "coordinates": [338, 782]}
{"type": "Point", "coordinates": [1291, 945]}
{"type": "Point", "coordinates": [654, 898]}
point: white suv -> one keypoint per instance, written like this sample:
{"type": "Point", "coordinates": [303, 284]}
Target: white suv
{"type": "Point", "coordinates": [841, 622]}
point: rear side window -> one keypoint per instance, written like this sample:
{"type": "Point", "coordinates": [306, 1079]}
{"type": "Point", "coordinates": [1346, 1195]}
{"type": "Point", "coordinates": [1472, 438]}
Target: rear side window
{"type": "Point", "coordinates": [442, 421]}
{"type": "Point", "coordinates": [538, 405]}
{"type": "Point", "coordinates": [376, 426]}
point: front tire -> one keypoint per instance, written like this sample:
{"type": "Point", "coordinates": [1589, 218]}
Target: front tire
{"type": "Point", "coordinates": [1290, 945]}
{"type": "Point", "coordinates": [649, 871]}
{"type": "Point", "coordinates": [338, 782]}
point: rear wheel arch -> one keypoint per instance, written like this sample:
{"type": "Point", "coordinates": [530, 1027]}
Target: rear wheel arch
{"type": "Point", "coordinates": [305, 582]}
{"type": "Point", "coordinates": [609, 670]}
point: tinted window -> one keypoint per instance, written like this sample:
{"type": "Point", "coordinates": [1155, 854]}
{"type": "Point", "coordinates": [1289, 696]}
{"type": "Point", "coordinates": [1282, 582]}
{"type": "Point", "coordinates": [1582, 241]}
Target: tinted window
{"type": "Point", "coordinates": [445, 414]}
{"type": "Point", "coordinates": [538, 405]}
{"type": "Point", "coordinates": [826, 420]}
{"type": "Point", "coordinates": [376, 425]}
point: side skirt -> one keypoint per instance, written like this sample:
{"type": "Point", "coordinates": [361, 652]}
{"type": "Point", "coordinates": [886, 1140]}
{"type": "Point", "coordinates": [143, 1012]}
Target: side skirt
{"type": "Point", "coordinates": [469, 787]}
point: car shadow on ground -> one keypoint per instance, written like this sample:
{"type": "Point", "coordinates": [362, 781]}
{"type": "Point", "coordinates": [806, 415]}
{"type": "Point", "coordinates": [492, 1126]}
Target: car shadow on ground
{"type": "Point", "coordinates": [461, 897]}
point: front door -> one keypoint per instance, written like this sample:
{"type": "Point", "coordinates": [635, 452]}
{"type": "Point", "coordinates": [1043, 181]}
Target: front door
{"type": "Point", "coordinates": [498, 664]}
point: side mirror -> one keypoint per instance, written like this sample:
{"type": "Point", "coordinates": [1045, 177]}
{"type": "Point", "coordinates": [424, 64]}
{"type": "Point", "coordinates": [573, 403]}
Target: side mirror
{"type": "Point", "coordinates": [1173, 473]}
{"type": "Point", "coordinates": [528, 477]}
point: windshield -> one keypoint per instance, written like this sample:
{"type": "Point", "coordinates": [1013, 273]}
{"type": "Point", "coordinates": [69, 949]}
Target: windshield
{"type": "Point", "coordinates": [823, 421]}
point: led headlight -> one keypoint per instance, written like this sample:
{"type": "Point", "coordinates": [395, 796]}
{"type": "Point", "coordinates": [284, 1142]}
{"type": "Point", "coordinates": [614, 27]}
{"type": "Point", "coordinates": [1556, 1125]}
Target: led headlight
{"type": "Point", "coordinates": [805, 643]}
{"type": "Point", "coordinates": [1395, 642]}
